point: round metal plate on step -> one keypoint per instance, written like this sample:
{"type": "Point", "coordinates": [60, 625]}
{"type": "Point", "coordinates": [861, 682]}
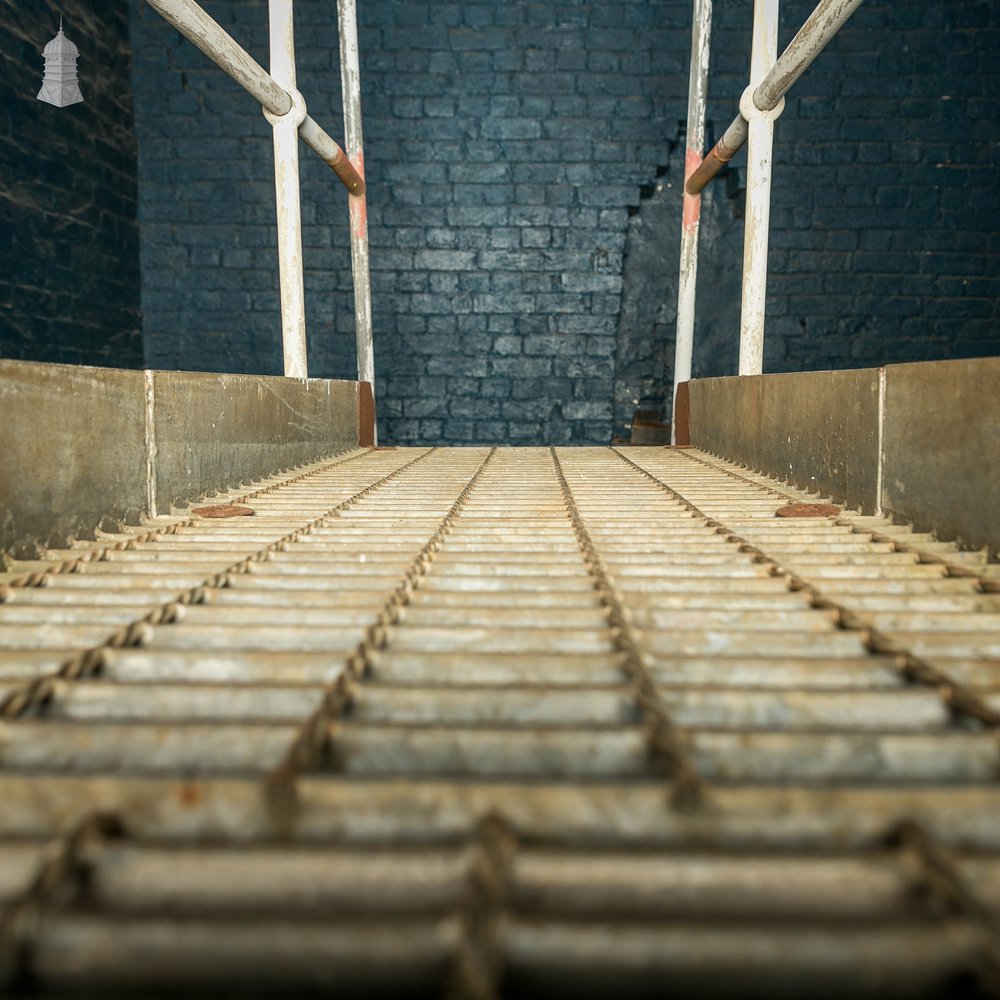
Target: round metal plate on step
{"type": "Point", "coordinates": [223, 510]}
{"type": "Point", "coordinates": [808, 510]}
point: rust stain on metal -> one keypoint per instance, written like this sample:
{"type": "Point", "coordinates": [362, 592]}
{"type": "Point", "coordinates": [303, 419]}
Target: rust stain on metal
{"type": "Point", "coordinates": [347, 173]}
{"type": "Point", "coordinates": [718, 156]}
{"type": "Point", "coordinates": [358, 206]}
{"type": "Point", "coordinates": [692, 202]}
{"type": "Point", "coordinates": [190, 794]}
{"type": "Point", "coordinates": [366, 415]}
{"type": "Point", "coordinates": [223, 510]}
{"type": "Point", "coordinates": [682, 414]}
{"type": "Point", "coordinates": [808, 510]}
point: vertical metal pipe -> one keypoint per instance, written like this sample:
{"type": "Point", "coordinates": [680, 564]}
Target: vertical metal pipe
{"type": "Point", "coordinates": [285, 132]}
{"type": "Point", "coordinates": [758, 198]}
{"type": "Point", "coordinates": [701, 34]}
{"type": "Point", "coordinates": [350, 76]}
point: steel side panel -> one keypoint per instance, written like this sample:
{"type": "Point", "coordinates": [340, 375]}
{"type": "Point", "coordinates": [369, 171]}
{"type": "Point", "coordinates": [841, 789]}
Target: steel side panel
{"type": "Point", "coordinates": [72, 451]}
{"type": "Point", "coordinates": [213, 432]}
{"type": "Point", "coordinates": [817, 430]}
{"type": "Point", "coordinates": [942, 449]}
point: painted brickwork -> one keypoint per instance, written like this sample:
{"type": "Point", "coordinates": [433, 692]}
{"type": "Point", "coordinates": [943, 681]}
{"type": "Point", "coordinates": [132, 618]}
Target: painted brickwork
{"type": "Point", "coordinates": [886, 239]}
{"type": "Point", "coordinates": [507, 144]}
{"type": "Point", "coordinates": [69, 244]}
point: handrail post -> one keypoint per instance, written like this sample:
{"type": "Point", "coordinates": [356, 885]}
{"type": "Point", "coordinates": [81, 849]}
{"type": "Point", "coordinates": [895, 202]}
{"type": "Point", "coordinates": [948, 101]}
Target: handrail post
{"type": "Point", "coordinates": [285, 131]}
{"type": "Point", "coordinates": [350, 76]}
{"type": "Point", "coordinates": [701, 34]}
{"type": "Point", "coordinates": [758, 197]}
{"type": "Point", "coordinates": [199, 29]}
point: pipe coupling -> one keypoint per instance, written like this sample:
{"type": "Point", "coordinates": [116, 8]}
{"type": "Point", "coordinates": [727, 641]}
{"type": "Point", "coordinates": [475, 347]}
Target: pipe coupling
{"type": "Point", "coordinates": [295, 115]}
{"type": "Point", "coordinates": [751, 112]}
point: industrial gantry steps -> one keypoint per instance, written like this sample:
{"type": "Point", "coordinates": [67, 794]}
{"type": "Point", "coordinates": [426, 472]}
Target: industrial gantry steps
{"type": "Point", "coordinates": [503, 722]}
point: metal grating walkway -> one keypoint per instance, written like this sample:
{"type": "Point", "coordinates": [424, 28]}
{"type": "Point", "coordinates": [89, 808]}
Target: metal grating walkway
{"type": "Point", "coordinates": [519, 722]}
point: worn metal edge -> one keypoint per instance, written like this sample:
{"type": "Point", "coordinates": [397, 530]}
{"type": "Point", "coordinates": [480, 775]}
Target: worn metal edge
{"type": "Point", "coordinates": [83, 448]}
{"type": "Point", "coordinates": [862, 436]}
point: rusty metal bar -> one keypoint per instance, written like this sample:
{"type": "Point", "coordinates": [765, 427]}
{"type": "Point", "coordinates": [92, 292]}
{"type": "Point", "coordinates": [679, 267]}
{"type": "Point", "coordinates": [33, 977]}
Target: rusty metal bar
{"type": "Point", "coordinates": [701, 34]}
{"type": "Point", "coordinates": [91, 658]}
{"type": "Point", "coordinates": [405, 810]}
{"type": "Point", "coordinates": [144, 879]}
{"type": "Point", "coordinates": [814, 35]}
{"type": "Point", "coordinates": [352, 957]}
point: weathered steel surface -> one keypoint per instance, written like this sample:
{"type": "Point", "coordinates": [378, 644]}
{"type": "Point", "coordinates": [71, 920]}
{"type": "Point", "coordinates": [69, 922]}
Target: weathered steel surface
{"type": "Point", "coordinates": [518, 722]}
{"type": "Point", "coordinates": [72, 451]}
{"type": "Point", "coordinates": [918, 441]}
{"type": "Point", "coordinates": [817, 430]}
{"type": "Point", "coordinates": [213, 432]}
{"type": "Point", "coordinates": [942, 449]}
{"type": "Point", "coordinates": [209, 36]}
{"type": "Point", "coordinates": [84, 445]}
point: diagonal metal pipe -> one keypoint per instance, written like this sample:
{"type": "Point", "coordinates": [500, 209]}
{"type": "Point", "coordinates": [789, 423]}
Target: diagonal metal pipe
{"type": "Point", "coordinates": [209, 36]}
{"type": "Point", "coordinates": [824, 22]}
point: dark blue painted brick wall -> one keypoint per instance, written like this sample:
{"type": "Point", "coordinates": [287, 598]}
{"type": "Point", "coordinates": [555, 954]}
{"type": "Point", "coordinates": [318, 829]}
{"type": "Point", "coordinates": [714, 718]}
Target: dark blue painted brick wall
{"type": "Point", "coordinates": [507, 144]}
{"type": "Point", "coordinates": [69, 239]}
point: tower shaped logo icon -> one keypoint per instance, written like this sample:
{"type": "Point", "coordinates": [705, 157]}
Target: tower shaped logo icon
{"type": "Point", "coordinates": [59, 85]}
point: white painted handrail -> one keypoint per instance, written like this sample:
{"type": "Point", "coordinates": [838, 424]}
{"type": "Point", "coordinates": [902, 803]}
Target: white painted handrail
{"type": "Point", "coordinates": [285, 108]}
{"type": "Point", "coordinates": [701, 36]}
{"type": "Point", "coordinates": [350, 76]}
{"type": "Point", "coordinates": [819, 29]}
{"type": "Point", "coordinates": [762, 102]}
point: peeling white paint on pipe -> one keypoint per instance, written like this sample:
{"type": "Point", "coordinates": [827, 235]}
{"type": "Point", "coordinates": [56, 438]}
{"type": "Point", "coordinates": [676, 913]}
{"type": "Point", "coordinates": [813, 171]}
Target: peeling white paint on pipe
{"type": "Point", "coordinates": [209, 36]}
{"type": "Point", "coordinates": [285, 129]}
{"type": "Point", "coordinates": [810, 40]}
{"type": "Point", "coordinates": [758, 197]}
{"type": "Point", "coordinates": [350, 76]}
{"type": "Point", "coordinates": [701, 35]}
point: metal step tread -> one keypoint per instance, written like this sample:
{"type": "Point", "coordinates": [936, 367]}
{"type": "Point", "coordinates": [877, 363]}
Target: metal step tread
{"type": "Point", "coordinates": [597, 713]}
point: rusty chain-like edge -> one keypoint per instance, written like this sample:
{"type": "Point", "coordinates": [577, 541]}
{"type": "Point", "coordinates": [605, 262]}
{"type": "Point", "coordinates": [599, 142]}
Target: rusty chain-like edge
{"type": "Point", "coordinates": [933, 875]}
{"type": "Point", "coordinates": [64, 871]}
{"type": "Point", "coordinates": [986, 584]}
{"type": "Point", "coordinates": [911, 667]}
{"type": "Point", "coordinates": [102, 553]}
{"type": "Point", "coordinates": [315, 743]}
{"type": "Point", "coordinates": [37, 692]}
{"type": "Point", "coordinates": [665, 742]}
{"type": "Point", "coordinates": [477, 970]}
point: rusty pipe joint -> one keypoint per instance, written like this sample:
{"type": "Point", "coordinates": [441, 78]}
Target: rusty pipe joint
{"type": "Point", "coordinates": [750, 111]}
{"type": "Point", "coordinates": [719, 155]}
{"type": "Point", "coordinates": [732, 141]}
{"type": "Point", "coordinates": [294, 116]}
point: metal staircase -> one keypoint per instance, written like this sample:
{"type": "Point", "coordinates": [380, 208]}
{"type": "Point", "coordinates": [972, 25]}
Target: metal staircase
{"type": "Point", "coordinates": [515, 722]}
